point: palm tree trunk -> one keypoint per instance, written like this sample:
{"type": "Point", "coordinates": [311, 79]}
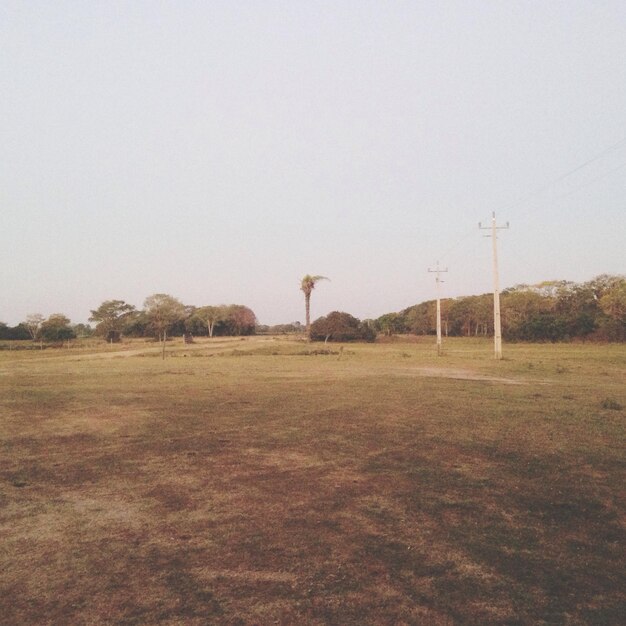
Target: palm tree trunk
{"type": "Point", "coordinates": [307, 306]}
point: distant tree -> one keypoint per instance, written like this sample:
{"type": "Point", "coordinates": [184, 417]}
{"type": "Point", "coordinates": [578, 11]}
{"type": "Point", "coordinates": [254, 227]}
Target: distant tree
{"type": "Point", "coordinates": [613, 301]}
{"type": "Point", "coordinates": [548, 288]}
{"type": "Point", "coordinates": [82, 330]}
{"type": "Point", "coordinates": [307, 284]}
{"type": "Point", "coordinates": [555, 310]}
{"type": "Point", "coordinates": [613, 305]}
{"type": "Point", "coordinates": [162, 312]}
{"type": "Point", "coordinates": [33, 324]}
{"type": "Point", "coordinates": [240, 319]}
{"type": "Point", "coordinates": [540, 326]}
{"type": "Point", "coordinates": [421, 318]}
{"type": "Point", "coordinates": [57, 328]}
{"type": "Point", "coordinates": [604, 283]}
{"type": "Point", "coordinates": [577, 310]}
{"type": "Point", "coordinates": [195, 326]}
{"type": "Point", "coordinates": [210, 316]}
{"type": "Point", "coordinates": [483, 313]}
{"type": "Point", "coordinates": [391, 324]}
{"type": "Point", "coordinates": [340, 326]}
{"type": "Point", "coordinates": [20, 332]}
{"type": "Point", "coordinates": [137, 325]}
{"type": "Point", "coordinates": [524, 308]}
{"type": "Point", "coordinates": [280, 329]}
{"type": "Point", "coordinates": [182, 326]}
{"type": "Point", "coordinates": [13, 332]}
{"type": "Point", "coordinates": [472, 314]}
{"type": "Point", "coordinates": [111, 317]}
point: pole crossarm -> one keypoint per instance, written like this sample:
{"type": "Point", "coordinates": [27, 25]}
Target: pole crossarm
{"type": "Point", "coordinates": [493, 225]}
{"type": "Point", "coordinates": [438, 271]}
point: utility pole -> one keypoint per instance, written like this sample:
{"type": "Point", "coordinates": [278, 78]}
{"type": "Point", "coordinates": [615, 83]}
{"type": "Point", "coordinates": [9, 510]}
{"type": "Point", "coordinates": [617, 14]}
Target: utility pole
{"type": "Point", "coordinates": [437, 281]}
{"type": "Point", "coordinates": [497, 325]}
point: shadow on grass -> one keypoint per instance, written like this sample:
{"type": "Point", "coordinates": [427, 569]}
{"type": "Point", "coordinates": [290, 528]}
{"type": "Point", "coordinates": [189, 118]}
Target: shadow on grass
{"type": "Point", "coordinates": [536, 532]}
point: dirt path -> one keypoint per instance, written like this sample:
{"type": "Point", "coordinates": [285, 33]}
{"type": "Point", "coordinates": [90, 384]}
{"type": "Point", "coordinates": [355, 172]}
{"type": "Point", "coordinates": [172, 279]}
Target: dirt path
{"type": "Point", "coordinates": [462, 374]}
{"type": "Point", "coordinates": [218, 345]}
{"type": "Point", "coordinates": [115, 354]}
{"type": "Point", "coordinates": [126, 353]}
{"type": "Point", "coordinates": [425, 372]}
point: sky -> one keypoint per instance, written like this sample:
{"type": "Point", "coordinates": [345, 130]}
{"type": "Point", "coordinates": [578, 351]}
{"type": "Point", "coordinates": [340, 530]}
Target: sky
{"type": "Point", "coordinates": [218, 151]}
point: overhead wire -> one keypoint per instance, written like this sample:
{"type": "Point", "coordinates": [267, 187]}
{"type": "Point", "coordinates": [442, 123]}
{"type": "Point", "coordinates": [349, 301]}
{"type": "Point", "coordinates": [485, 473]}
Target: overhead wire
{"type": "Point", "coordinates": [540, 190]}
{"type": "Point", "coordinates": [562, 177]}
{"type": "Point", "coordinates": [592, 181]}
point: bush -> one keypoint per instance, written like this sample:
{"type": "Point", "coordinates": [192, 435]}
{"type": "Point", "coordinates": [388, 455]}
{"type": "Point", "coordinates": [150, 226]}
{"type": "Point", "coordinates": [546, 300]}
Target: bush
{"type": "Point", "coordinates": [540, 327]}
{"type": "Point", "coordinates": [609, 403]}
{"type": "Point", "coordinates": [339, 326]}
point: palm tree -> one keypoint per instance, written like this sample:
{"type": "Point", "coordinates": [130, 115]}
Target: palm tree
{"type": "Point", "coordinates": [307, 285]}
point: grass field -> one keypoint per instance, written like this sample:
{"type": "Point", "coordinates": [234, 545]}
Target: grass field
{"type": "Point", "coordinates": [262, 481]}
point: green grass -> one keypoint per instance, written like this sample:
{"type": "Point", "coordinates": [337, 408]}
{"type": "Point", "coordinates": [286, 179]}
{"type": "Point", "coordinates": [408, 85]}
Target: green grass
{"type": "Point", "coordinates": [262, 481]}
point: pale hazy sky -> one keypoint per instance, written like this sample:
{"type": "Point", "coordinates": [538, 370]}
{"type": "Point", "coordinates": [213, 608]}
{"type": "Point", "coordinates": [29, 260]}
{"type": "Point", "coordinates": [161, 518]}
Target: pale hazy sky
{"type": "Point", "coordinates": [218, 151]}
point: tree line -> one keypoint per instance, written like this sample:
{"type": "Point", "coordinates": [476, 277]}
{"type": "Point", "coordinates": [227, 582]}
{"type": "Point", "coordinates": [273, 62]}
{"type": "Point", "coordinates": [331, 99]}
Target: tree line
{"type": "Point", "coordinates": [162, 316]}
{"type": "Point", "coordinates": [547, 311]}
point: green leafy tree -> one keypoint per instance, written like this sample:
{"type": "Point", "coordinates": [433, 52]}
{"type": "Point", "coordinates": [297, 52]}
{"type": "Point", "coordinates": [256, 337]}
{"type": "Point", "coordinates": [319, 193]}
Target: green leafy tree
{"type": "Point", "coordinates": [57, 328]}
{"type": "Point", "coordinates": [604, 283]}
{"type": "Point", "coordinates": [137, 325]}
{"type": "Point", "coordinates": [541, 326]}
{"type": "Point", "coordinates": [13, 332]}
{"type": "Point", "coordinates": [340, 326]}
{"type": "Point", "coordinates": [613, 302]}
{"type": "Point", "coordinates": [613, 305]}
{"type": "Point", "coordinates": [421, 318]}
{"type": "Point", "coordinates": [471, 315]}
{"type": "Point", "coordinates": [211, 316]}
{"type": "Point", "coordinates": [280, 329]}
{"type": "Point", "coordinates": [111, 317]}
{"type": "Point", "coordinates": [391, 323]}
{"type": "Point", "coordinates": [183, 326]}
{"type": "Point", "coordinates": [162, 312]}
{"type": "Point", "coordinates": [307, 284]}
{"type": "Point", "coordinates": [82, 330]}
{"type": "Point", "coordinates": [577, 310]}
{"type": "Point", "coordinates": [547, 311]}
{"type": "Point", "coordinates": [524, 308]}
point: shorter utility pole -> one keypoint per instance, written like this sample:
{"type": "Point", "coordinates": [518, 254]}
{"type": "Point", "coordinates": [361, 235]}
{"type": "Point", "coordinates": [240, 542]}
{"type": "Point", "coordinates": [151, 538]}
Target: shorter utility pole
{"type": "Point", "coordinates": [497, 325]}
{"type": "Point", "coordinates": [437, 281]}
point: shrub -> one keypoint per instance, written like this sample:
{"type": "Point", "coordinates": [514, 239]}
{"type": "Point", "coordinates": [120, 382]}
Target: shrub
{"type": "Point", "coordinates": [609, 403]}
{"type": "Point", "coordinates": [340, 326]}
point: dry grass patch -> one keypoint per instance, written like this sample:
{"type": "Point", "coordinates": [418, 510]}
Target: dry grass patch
{"type": "Point", "coordinates": [298, 488]}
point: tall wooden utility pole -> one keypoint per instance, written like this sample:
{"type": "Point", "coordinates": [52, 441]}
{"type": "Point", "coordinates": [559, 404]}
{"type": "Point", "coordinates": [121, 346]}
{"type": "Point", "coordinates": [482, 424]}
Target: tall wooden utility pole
{"type": "Point", "coordinates": [437, 281]}
{"type": "Point", "coordinates": [497, 325]}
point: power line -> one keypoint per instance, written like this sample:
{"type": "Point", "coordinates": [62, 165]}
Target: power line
{"type": "Point", "coordinates": [567, 174]}
{"type": "Point", "coordinates": [592, 181]}
{"type": "Point", "coordinates": [549, 184]}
